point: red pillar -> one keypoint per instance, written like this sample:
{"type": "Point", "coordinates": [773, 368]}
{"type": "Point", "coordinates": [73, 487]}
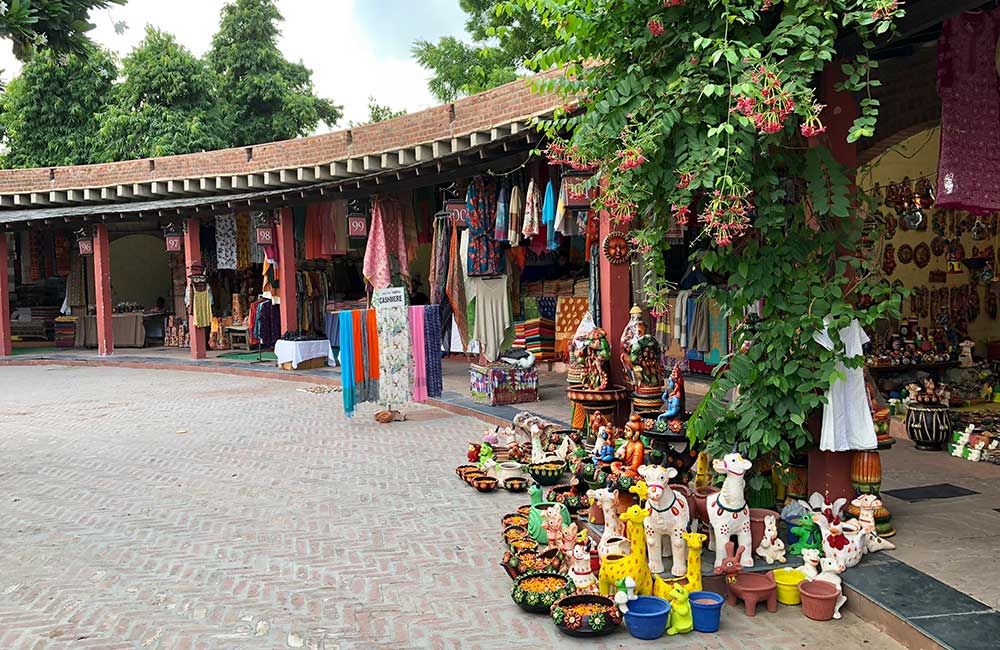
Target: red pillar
{"type": "Point", "coordinates": [192, 255]}
{"type": "Point", "coordinates": [616, 301]}
{"type": "Point", "coordinates": [102, 286]}
{"type": "Point", "coordinates": [6, 348]}
{"type": "Point", "coordinates": [286, 271]}
{"type": "Point", "coordinates": [830, 472]}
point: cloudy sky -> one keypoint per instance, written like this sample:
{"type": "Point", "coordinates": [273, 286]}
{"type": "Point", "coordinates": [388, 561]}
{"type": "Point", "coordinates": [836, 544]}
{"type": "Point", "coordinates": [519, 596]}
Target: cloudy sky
{"type": "Point", "coordinates": [355, 48]}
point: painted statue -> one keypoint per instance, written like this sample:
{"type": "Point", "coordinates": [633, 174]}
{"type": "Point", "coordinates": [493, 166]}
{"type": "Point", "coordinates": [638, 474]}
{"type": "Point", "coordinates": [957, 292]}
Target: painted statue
{"type": "Point", "coordinates": [604, 446]}
{"type": "Point", "coordinates": [681, 619]}
{"type": "Point", "coordinates": [728, 511]}
{"type": "Point", "coordinates": [608, 502]}
{"type": "Point", "coordinates": [629, 336]}
{"type": "Point", "coordinates": [635, 565]}
{"type": "Point", "coordinates": [771, 548]}
{"type": "Point", "coordinates": [668, 515]}
{"type": "Point", "coordinates": [647, 364]}
{"type": "Point", "coordinates": [593, 357]}
{"type": "Point", "coordinates": [630, 455]}
{"type": "Point", "coordinates": [674, 395]}
{"type": "Point", "coordinates": [581, 571]}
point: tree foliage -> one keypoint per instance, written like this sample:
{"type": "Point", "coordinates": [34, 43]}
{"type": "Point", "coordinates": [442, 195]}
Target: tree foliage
{"type": "Point", "coordinates": [705, 112]}
{"type": "Point", "coordinates": [265, 96]}
{"type": "Point", "coordinates": [59, 25]}
{"type": "Point", "coordinates": [48, 113]}
{"type": "Point", "coordinates": [166, 104]}
{"type": "Point", "coordinates": [378, 113]}
{"type": "Point", "coordinates": [502, 42]}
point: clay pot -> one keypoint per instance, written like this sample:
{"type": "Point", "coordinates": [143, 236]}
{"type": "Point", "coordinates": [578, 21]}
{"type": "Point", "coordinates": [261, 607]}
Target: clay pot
{"type": "Point", "coordinates": [509, 469]}
{"type": "Point", "coordinates": [700, 496]}
{"type": "Point", "coordinates": [596, 514]}
{"type": "Point", "coordinates": [819, 599]}
{"type": "Point", "coordinates": [866, 472]}
{"type": "Point", "coordinates": [797, 478]}
{"type": "Point", "coordinates": [485, 483]}
{"type": "Point", "coordinates": [757, 525]}
{"type": "Point", "coordinates": [928, 425]}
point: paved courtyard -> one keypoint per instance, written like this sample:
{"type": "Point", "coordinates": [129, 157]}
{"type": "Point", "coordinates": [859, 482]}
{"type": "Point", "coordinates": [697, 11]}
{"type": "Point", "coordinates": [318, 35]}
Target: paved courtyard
{"type": "Point", "coordinates": [178, 510]}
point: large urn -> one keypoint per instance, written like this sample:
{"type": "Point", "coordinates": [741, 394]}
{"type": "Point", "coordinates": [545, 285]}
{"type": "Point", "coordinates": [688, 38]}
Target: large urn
{"type": "Point", "coordinates": [928, 425]}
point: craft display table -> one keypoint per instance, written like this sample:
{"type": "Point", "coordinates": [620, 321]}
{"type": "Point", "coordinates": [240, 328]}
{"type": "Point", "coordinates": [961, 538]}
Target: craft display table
{"type": "Point", "coordinates": [128, 330]}
{"type": "Point", "coordinates": [301, 355]}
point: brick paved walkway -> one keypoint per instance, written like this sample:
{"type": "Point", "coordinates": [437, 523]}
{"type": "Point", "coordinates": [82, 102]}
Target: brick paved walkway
{"type": "Point", "coordinates": [271, 523]}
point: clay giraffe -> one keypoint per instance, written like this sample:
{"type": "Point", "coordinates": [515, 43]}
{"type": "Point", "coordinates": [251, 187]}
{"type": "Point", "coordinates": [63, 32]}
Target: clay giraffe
{"type": "Point", "coordinates": [692, 579]}
{"type": "Point", "coordinates": [635, 565]}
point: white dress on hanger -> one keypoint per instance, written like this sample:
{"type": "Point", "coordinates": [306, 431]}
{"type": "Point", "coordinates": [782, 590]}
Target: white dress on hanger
{"type": "Point", "coordinates": [847, 419]}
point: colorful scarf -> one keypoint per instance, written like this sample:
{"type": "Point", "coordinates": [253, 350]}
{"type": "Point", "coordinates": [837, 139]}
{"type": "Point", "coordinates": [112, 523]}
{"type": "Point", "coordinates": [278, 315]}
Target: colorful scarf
{"type": "Point", "coordinates": [386, 238]}
{"type": "Point", "coordinates": [455, 289]}
{"type": "Point", "coordinates": [359, 351]}
{"type": "Point", "coordinates": [371, 326]}
{"type": "Point", "coordinates": [347, 361]}
{"type": "Point", "coordinates": [432, 349]}
{"type": "Point", "coordinates": [484, 251]}
{"type": "Point", "coordinates": [419, 357]}
{"type": "Point", "coordinates": [549, 217]}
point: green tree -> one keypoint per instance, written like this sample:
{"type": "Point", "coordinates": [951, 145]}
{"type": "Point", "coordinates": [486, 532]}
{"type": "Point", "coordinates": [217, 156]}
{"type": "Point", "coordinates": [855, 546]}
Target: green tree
{"type": "Point", "coordinates": [48, 113]}
{"type": "Point", "coordinates": [166, 104]}
{"type": "Point", "coordinates": [265, 97]}
{"type": "Point", "coordinates": [504, 37]}
{"type": "Point", "coordinates": [59, 25]}
{"type": "Point", "coordinates": [378, 113]}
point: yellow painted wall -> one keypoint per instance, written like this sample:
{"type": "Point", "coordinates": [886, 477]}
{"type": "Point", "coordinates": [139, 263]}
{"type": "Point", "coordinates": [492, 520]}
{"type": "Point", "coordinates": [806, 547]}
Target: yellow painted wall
{"type": "Point", "coordinates": [915, 157]}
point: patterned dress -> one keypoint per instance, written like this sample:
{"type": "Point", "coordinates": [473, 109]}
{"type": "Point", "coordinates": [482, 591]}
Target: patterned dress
{"type": "Point", "coordinates": [484, 250]}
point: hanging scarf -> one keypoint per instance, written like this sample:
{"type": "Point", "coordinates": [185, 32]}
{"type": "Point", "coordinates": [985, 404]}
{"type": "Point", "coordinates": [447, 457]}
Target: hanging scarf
{"type": "Point", "coordinates": [484, 251]}
{"type": "Point", "coordinates": [359, 351]}
{"type": "Point", "coordinates": [439, 260]}
{"type": "Point", "coordinates": [456, 289]}
{"type": "Point", "coordinates": [532, 211]}
{"type": "Point", "coordinates": [515, 213]}
{"type": "Point", "coordinates": [371, 326]}
{"type": "Point", "coordinates": [225, 241]}
{"type": "Point", "coordinates": [386, 238]}
{"type": "Point", "coordinates": [363, 393]}
{"type": "Point", "coordinates": [243, 234]}
{"type": "Point", "coordinates": [432, 349]}
{"type": "Point", "coordinates": [419, 360]}
{"type": "Point", "coordinates": [503, 215]}
{"type": "Point", "coordinates": [347, 362]}
{"type": "Point", "coordinates": [549, 217]}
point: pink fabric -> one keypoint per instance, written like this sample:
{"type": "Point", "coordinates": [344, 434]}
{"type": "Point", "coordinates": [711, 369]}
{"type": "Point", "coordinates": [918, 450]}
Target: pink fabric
{"type": "Point", "coordinates": [969, 163]}
{"type": "Point", "coordinates": [419, 354]}
{"type": "Point", "coordinates": [328, 235]}
{"type": "Point", "coordinates": [386, 239]}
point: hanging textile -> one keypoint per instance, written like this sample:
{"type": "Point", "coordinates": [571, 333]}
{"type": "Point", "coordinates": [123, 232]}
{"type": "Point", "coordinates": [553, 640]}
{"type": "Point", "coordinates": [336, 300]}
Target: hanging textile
{"type": "Point", "coordinates": [718, 334]}
{"type": "Point", "coordinates": [313, 233]}
{"type": "Point", "coordinates": [338, 214]}
{"type": "Point", "coordinates": [394, 354]}
{"type": "Point", "coordinates": [36, 254]}
{"type": "Point", "coordinates": [225, 241]}
{"type": "Point", "coordinates": [439, 260]}
{"type": "Point", "coordinates": [595, 283]}
{"type": "Point", "coordinates": [484, 251]}
{"type": "Point", "coordinates": [969, 161]}
{"type": "Point", "coordinates": [333, 336]}
{"type": "Point", "coordinates": [386, 239]}
{"type": "Point", "coordinates": [569, 313]}
{"type": "Point", "coordinates": [493, 317]}
{"type": "Point", "coordinates": [516, 216]}
{"type": "Point", "coordinates": [847, 417]}
{"type": "Point", "coordinates": [361, 356]}
{"type": "Point", "coordinates": [455, 288]}
{"type": "Point", "coordinates": [327, 230]}
{"type": "Point", "coordinates": [432, 349]}
{"type": "Point", "coordinates": [200, 303]}
{"type": "Point", "coordinates": [532, 211]}
{"type": "Point", "coordinates": [409, 221]}
{"type": "Point", "coordinates": [549, 217]}
{"type": "Point", "coordinates": [373, 374]}
{"type": "Point", "coordinates": [347, 362]}
{"type": "Point", "coordinates": [417, 340]}
{"type": "Point", "coordinates": [62, 254]}
{"type": "Point", "coordinates": [298, 223]}
{"type": "Point", "coordinates": [503, 215]}
{"type": "Point", "coordinates": [243, 241]}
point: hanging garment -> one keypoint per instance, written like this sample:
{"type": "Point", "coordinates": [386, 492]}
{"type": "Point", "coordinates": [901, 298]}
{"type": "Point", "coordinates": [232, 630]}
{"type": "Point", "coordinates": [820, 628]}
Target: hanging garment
{"type": "Point", "coordinates": [847, 418]}
{"type": "Point", "coordinates": [36, 254]}
{"type": "Point", "coordinates": [200, 302]}
{"type": "Point", "coordinates": [225, 241]}
{"type": "Point", "coordinates": [298, 223]}
{"type": "Point", "coordinates": [699, 337]}
{"type": "Point", "coordinates": [360, 356]}
{"type": "Point", "coordinates": [549, 217]}
{"type": "Point", "coordinates": [373, 373]}
{"type": "Point", "coordinates": [718, 334]}
{"type": "Point", "coordinates": [969, 161]}
{"type": "Point", "coordinates": [455, 289]}
{"type": "Point", "coordinates": [347, 361]}
{"type": "Point", "coordinates": [503, 215]}
{"type": "Point", "coordinates": [532, 211]}
{"type": "Point", "coordinates": [492, 316]}
{"type": "Point", "coordinates": [485, 256]}
{"type": "Point", "coordinates": [386, 239]}
{"type": "Point", "coordinates": [569, 314]}
{"type": "Point", "coordinates": [680, 318]}
{"type": "Point", "coordinates": [516, 216]}
{"type": "Point", "coordinates": [419, 377]}
{"type": "Point", "coordinates": [439, 260]}
{"type": "Point", "coordinates": [256, 252]}
{"type": "Point", "coordinates": [432, 349]}
{"type": "Point", "coordinates": [327, 230]}
{"type": "Point", "coordinates": [243, 241]}
{"type": "Point", "coordinates": [338, 213]}
{"type": "Point", "coordinates": [333, 336]}
{"type": "Point", "coordinates": [394, 355]}
{"type": "Point", "coordinates": [61, 253]}
{"type": "Point", "coordinates": [313, 233]}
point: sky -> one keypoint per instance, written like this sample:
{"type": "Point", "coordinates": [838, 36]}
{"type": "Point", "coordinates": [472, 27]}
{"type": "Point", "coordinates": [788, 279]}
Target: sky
{"type": "Point", "coordinates": [355, 48]}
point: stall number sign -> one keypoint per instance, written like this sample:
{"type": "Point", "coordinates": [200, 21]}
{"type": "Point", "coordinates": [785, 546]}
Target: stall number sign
{"type": "Point", "coordinates": [391, 297]}
{"type": "Point", "coordinates": [458, 210]}
{"type": "Point", "coordinates": [265, 236]}
{"type": "Point", "coordinates": [357, 226]}
{"type": "Point", "coordinates": [86, 246]}
{"type": "Point", "coordinates": [173, 244]}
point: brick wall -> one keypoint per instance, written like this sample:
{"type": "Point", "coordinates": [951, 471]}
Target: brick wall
{"type": "Point", "coordinates": [477, 113]}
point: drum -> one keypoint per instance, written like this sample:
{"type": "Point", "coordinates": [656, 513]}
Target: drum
{"type": "Point", "coordinates": [928, 425]}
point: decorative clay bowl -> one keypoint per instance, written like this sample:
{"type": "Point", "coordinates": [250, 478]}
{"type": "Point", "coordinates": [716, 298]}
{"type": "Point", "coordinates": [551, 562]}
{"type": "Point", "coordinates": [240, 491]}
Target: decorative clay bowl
{"type": "Point", "coordinates": [511, 533]}
{"type": "Point", "coordinates": [536, 592]}
{"type": "Point", "coordinates": [516, 484]}
{"type": "Point", "coordinates": [546, 473]}
{"type": "Point", "coordinates": [586, 615]}
{"type": "Point", "coordinates": [525, 509]}
{"type": "Point", "coordinates": [514, 519]}
{"type": "Point", "coordinates": [484, 483]}
{"type": "Point", "coordinates": [472, 475]}
{"type": "Point", "coordinates": [462, 469]}
{"type": "Point", "coordinates": [574, 502]}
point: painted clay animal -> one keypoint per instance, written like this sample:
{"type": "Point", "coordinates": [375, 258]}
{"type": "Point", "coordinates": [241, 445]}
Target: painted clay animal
{"type": "Point", "coordinates": [668, 515]}
{"type": "Point", "coordinates": [553, 525]}
{"type": "Point", "coordinates": [751, 588]}
{"type": "Point", "coordinates": [771, 548]}
{"type": "Point", "coordinates": [580, 570]}
{"type": "Point", "coordinates": [808, 534]}
{"type": "Point", "coordinates": [867, 504]}
{"type": "Point", "coordinates": [843, 541]}
{"type": "Point", "coordinates": [681, 619]}
{"type": "Point", "coordinates": [831, 573]}
{"type": "Point", "coordinates": [810, 562]}
{"type": "Point", "coordinates": [727, 509]}
{"type": "Point", "coordinates": [636, 563]}
{"type": "Point", "coordinates": [608, 501]}
{"type": "Point", "coordinates": [692, 579]}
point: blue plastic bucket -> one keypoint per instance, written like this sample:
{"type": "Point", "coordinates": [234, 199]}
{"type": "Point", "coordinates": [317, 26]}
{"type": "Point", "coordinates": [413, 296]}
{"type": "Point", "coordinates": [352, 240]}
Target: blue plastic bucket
{"type": "Point", "coordinates": [706, 609]}
{"type": "Point", "coordinates": [647, 616]}
{"type": "Point", "coordinates": [790, 537]}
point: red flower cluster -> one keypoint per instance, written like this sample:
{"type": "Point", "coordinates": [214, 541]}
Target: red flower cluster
{"type": "Point", "coordinates": [569, 156]}
{"type": "Point", "coordinates": [630, 159]}
{"type": "Point", "coordinates": [655, 27]}
{"type": "Point", "coordinates": [885, 9]}
{"type": "Point", "coordinates": [766, 5]}
{"type": "Point", "coordinates": [685, 181]}
{"type": "Point", "coordinates": [772, 104]}
{"type": "Point", "coordinates": [674, 3]}
{"type": "Point", "coordinates": [621, 211]}
{"type": "Point", "coordinates": [681, 213]}
{"type": "Point", "coordinates": [727, 216]}
{"type": "Point", "coordinates": [638, 246]}
{"type": "Point", "coordinates": [812, 126]}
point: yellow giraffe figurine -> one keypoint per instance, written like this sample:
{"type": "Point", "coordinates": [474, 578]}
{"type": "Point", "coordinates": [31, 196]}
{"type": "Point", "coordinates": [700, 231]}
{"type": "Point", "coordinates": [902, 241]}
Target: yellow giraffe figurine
{"type": "Point", "coordinates": [692, 579]}
{"type": "Point", "coordinates": [636, 563]}
{"type": "Point", "coordinates": [702, 478]}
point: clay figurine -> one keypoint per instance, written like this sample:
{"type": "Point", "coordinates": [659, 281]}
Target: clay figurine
{"type": "Point", "coordinates": [612, 524]}
{"type": "Point", "coordinates": [728, 511]}
{"type": "Point", "coordinates": [681, 620]}
{"type": "Point", "coordinates": [593, 356]}
{"type": "Point", "coordinates": [808, 534]}
{"type": "Point", "coordinates": [831, 573]}
{"type": "Point", "coordinates": [629, 336]}
{"type": "Point", "coordinates": [771, 548]}
{"type": "Point", "coordinates": [604, 446]}
{"type": "Point", "coordinates": [646, 363]}
{"type": "Point", "coordinates": [635, 564]}
{"type": "Point", "coordinates": [674, 395]}
{"type": "Point", "coordinates": [751, 588]}
{"type": "Point", "coordinates": [810, 562]}
{"type": "Point", "coordinates": [633, 452]}
{"type": "Point", "coordinates": [580, 570]}
{"type": "Point", "coordinates": [668, 515]}
{"type": "Point", "coordinates": [692, 579]}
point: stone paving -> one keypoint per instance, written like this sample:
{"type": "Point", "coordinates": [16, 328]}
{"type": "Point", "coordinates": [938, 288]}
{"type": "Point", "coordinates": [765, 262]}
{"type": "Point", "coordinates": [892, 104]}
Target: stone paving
{"type": "Point", "coordinates": [162, 509]}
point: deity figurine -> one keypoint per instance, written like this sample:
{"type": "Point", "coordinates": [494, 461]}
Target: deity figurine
{"type": "Point", "coordinates": [593, 357]}
{"type": "Point", "coordinates": [629, 335]}
{"type": "Point", "coordinates": [604, 446]}
{"type": "Point", "coordinates": [674, 395]}
{"type": "Point", "coordinates": [630, 455]}
{"type": "Point", "coordinates": [647, 370]}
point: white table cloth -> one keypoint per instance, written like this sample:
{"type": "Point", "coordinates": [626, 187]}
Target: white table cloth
{"type": "Point", "coordinates": [298, 351]}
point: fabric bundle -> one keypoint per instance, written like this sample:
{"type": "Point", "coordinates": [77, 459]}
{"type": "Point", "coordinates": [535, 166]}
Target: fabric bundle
{"type": "Point", "coordinates": [569, 313]}
{"type": "Point", "coordinates": [432, 349]}
{"type": "Point", "coordinates": [225, 241]}
{"type": "Point", "coordinates": [347, 361]}
{"type": "Point", "coordinates": [540, 337]}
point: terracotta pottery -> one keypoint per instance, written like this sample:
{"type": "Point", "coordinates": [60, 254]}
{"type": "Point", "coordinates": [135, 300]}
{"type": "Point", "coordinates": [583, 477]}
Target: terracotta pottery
{"type": "Point", "coordinates": [928, 425]}
{"type": "Point", "coordinates": [525, 509]}
{"type": "Point", "coordinates": [602, 622]}
{"type": "Point", "coordinates": [797, 478]}
{"type": "Point", "coordinates": [540, 601]}
{"type": "Point", "coordinates": [866, 472]}
{"type": "Point", "coordinates": [819, 599]}
{"type": "Point", "coordinates": [514, 519]}
{"type": "Point", "coordinates": [516, 484]}
{"type": "Point", "coordinates": [462, 469]}
{"type": "Point", "coordinates": [700, 496]}
{"type": "Point", "coordinates": [596, 514]}
{"type": "Point", "coordinates": [757, 524]}
{"type": "Point", "coordinates": [485, 483]}
{"type": "Point", "coordinates": [511, 533]}
{"type": "Point", "coordinates": [472, 475]}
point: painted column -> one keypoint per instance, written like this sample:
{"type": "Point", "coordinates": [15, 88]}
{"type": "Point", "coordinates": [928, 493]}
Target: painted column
{"type": "Point", "coordinates": [192, 255]}
{"type": "Point", "coordinates": [102, 286]}
{"type": "Point", "coordinates": [616, 301]}
{"type": "Point", "coordinates": [830, 472]}
{"type": "Point", "coordinates": [286, 272]}
{"type": "Point", "coordinates": [6, 348]}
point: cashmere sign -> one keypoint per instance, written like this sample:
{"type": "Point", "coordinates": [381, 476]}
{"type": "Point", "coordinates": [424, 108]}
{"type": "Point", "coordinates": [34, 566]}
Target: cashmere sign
{"type": "Point", "coordinates": [394, 346]}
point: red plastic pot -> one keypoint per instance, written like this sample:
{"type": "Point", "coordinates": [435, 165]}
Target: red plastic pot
{"type": "Point", "coordinates": [819, 599]}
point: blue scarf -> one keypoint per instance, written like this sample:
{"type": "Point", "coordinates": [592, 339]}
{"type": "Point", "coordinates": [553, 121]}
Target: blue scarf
{"type": "Point", "coordinates": [549, 217]}
{"type": "Point", "coordinates": [347, 361]}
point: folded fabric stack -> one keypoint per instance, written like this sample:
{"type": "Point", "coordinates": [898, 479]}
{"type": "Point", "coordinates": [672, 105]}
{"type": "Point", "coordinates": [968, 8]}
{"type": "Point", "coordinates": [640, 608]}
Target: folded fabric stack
{"type": "Point", "coordinates": [540, 337]}
{"type": "Point", "coordinates": [534, 289]}
{"type": "Point", "coordinates": [65, 331]}
{"type": "Point", "coordinates": [519, 336]}
{"type": "Point", "coordinates": [581, 288]}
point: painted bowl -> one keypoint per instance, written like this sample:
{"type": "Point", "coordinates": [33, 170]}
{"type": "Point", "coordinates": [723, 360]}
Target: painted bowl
{"type": "Point", "coordinates": [511, 533]}
{"type": "Point", "coordinates": [536, 592]}
{"type": "Point", "coordinates": [563, 494]}
{"type": "Point", "coordinates": [514, 519]}
{"type": "Point", "coordinates": [546, 473]}
{"type": "Point", "coordinates": [525, 509]}
{"type": "Point", "coordinates": [586, 615]}
{"type": "Point", "coordinates": [516, 484]}
{"type": "Point", "coordinates": [485, 483]}
{"type": "Point", "coordinates": [523, 544]}
{"type": "Point", "coordinates": [462, 469]}
{"type": "Point", "coordinates": [472, 475]}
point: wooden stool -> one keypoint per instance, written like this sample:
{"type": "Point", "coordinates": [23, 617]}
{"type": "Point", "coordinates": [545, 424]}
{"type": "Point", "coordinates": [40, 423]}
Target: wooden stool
{"type": "Point", "coordinates": [239, 338]}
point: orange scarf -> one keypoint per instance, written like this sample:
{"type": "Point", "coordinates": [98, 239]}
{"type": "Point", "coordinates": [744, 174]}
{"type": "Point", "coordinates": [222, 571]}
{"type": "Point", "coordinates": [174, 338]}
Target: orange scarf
{"type": "Point", "coordinates": [359, 367]}
{"type": "Point", "coordinates": [373, 357]}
